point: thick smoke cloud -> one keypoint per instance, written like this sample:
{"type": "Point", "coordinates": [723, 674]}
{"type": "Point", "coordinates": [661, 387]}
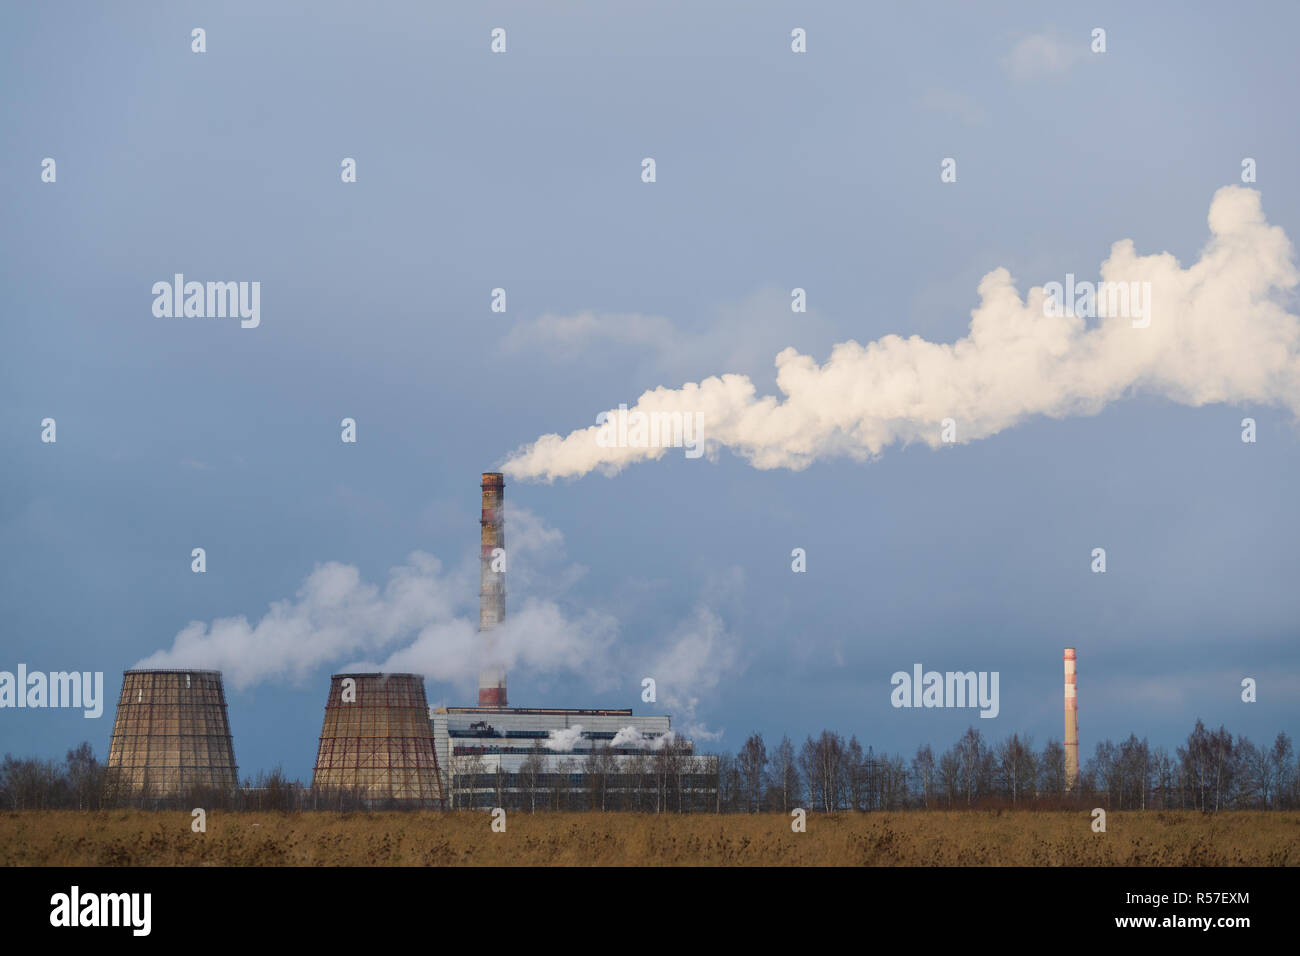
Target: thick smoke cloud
{"type": "Point", "coordinates": [335, 615]}
{"type": "Point", "coordinates": [424, 620]}
{"type": "Point", "coordinates": [565, 739]}
{"type": "Point", "coordinates": [1218, 332]}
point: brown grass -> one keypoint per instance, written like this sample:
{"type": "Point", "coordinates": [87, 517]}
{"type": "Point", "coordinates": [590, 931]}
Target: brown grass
{"type": "Point", "coordinates": [981, 838]}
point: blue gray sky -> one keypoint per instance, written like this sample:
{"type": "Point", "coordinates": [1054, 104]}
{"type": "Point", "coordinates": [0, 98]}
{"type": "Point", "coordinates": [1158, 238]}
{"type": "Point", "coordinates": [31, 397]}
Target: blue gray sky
{"type": "Point", "coordinates": [774, 170]}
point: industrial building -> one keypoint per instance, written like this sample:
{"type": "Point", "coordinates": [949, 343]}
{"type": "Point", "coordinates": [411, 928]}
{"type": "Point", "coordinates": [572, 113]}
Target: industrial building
{"type": "Point", "coordinates": [376, 745]}
{"type": "Point", "coordinates": [568, 759]}
{"type": "Point", "coordinates": [494, 755]}
{"type": "Point", "coordinates": [171, 737]}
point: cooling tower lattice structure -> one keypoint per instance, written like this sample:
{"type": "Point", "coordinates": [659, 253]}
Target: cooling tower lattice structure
{"type": "Point", "coordinates": [377, 743]}
{"type": "Point", "coordinates": [171, 736]}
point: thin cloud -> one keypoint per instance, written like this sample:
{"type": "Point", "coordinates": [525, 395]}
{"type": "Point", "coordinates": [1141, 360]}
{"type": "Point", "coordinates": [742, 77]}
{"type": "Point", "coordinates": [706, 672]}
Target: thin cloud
{"type": "Point", "coordinates": [739, 337]}
{"type": "Point", "coordinates": [958, 105]}
{"type": "Point", "coordinates": [1043, 55]}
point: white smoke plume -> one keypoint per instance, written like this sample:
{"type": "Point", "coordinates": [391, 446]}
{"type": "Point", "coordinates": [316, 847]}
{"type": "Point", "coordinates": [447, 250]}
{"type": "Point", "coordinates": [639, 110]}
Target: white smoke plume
{"type": "Point", "coordinates": [564, 739]}
{"type": "Point", "coordinates": [632, 739]}
{"type": "Point", "coordinates": [1218, 332]}
{"type": "Point", "coordinates": [699, 652]}
{"type": "Point", "coordinates": [628, 737]}
{"type": "Point", "coordinates": [335, 614]}
{"type": "Point", "coordinates": [424, 620]}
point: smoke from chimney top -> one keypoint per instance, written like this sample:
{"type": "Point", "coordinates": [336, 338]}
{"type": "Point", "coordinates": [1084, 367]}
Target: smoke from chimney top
{"type": "Point", "coordinates": [1220, 330]}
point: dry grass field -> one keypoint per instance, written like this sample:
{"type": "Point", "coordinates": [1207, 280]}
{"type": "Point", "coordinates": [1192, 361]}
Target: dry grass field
{"type": "Point", "coordinates": [981, 838]}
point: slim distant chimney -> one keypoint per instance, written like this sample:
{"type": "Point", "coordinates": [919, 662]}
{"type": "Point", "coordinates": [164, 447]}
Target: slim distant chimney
{"type": "Point", "coordinates": [1071, 724]}
{"type": "Point", "coordinates": [492, 588]}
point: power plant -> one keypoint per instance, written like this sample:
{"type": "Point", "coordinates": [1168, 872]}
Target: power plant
{"type": "Point", "coordinates": [376, 744]}
{"type": "Point", "coordinates": [1071, 724]}
{"type": "Point", "coordinates": [505, 754]}
{"type": "Point", "coordinates": [381, 745]}
{"type": "Point", "coordinates": [171, 736]}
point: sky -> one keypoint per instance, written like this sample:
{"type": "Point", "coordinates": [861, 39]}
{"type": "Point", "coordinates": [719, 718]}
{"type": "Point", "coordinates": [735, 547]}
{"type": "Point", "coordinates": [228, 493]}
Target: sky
{"type": "Point", "coordinates": [774, 171]}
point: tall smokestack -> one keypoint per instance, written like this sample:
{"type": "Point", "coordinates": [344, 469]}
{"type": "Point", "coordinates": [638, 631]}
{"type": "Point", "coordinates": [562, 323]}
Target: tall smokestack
{"type": "Point", "coordinates": [492, 589]}
{"type": "Point", "coordinates": [1071, 724]}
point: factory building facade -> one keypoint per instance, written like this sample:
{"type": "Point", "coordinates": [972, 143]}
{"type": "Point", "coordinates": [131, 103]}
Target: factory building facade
{"type": "Point", "coordinates": [564, 759]}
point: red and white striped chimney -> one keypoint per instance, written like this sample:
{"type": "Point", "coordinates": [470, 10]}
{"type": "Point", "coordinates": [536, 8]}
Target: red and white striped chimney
{"type": "Point", "coordinates": [1071, 723]}
{"type": "Point", "coordinates": [492, 589]}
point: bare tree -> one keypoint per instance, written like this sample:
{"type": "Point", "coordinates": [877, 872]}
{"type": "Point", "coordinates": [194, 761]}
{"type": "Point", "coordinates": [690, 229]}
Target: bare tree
{"type": "Point", "coordinates": [891, 781]}
{"type": "Point", "coordinates": [752, 762]}
{"type": "Point", "coordinates": [1017, 766]}
{"type": "Point", "coordinates": [971, 753]}
{"type": "Point", "coordinates": [681, 766]}
{"type": "Point", "coordinates": [561, 786]}
{"type": "Point", "coordinates": [1135, 771]}
{"type": "Point", "coordinates": [821, 761]}
{"type": "Point", "coordinates": [85, 776]}
{"type": "Point", "coordinates": [530, 775]}
{"type": "Point", "coordinates": [729, 784]}
{"type": "Point", "coordinates": [1221, 755]}
{"type": "Point", "coordinates": [601, 767]}
{"type": "Point", "coordinates": [466, 770]}
{"type": "Point", "coordinates": [809, 764]}
{"type": "Point", "coordinates": [856, 777]}
{"type": "Point", "coordinates": [500, 779]}
{"type": "Point", "coordinates": [923, 774]}
{"type": "Point", "coordinates": [785, 775]}
{"type": "Point", "coordinates": [950, 773]}
{"type": "Point", "coordinates": [1165, 774]}
{"type": "Point", "coordinates": [1105, 769]}
{"type": "Point", "coordinates": [1280, 756]}
{"type": "Point", "coordinates": [1197, 765]}
{"type": "Point", "coordinates": [1052, 768]}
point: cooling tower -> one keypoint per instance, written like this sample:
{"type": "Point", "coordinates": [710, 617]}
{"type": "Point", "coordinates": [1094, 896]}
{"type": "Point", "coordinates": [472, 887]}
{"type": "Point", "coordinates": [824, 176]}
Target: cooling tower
{"type": "Point", "coordinates": [171, 736]}
{"type": "Point", "coordinates": [1071, 723]}
{"type": "Point", "coordinates": [377, 742]}
{"type": "Point", "coordinates": [492, 589]}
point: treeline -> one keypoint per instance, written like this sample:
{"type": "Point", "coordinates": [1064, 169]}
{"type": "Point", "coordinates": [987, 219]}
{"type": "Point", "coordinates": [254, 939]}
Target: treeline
{"type": "Point", "coordinates": [33, 784]}
{"type": "Point", "coordinates": [79, 782]}
{"type": "Point", "coordinates": [1212, 771]}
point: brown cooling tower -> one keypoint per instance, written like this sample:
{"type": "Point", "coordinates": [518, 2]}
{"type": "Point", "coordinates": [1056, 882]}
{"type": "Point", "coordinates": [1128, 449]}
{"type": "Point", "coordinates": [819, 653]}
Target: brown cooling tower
{"type": "Point", "coordinates": [1071, 723]}
{"type": "Point", "coordinates": [377, 743]}
{"type": "Point", "coordinates": [492, 589]}
{"type": "Point", "coordinates": [171, 736]}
